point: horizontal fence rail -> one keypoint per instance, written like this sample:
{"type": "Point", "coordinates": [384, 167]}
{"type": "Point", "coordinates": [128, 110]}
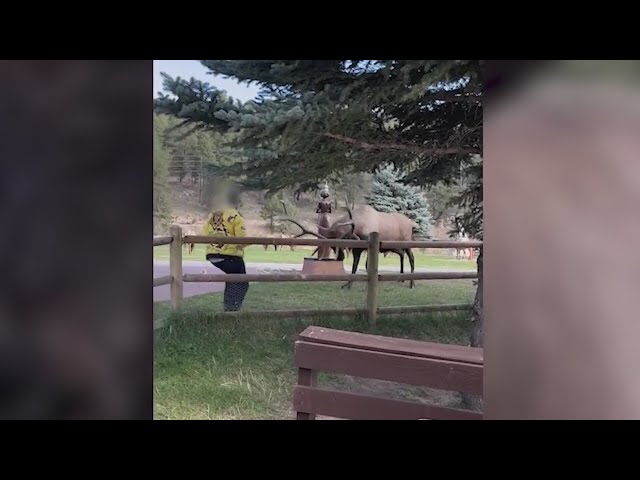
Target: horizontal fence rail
{"type": "Point", "coordinates": [373, 246]}
{"type": "Point", "coordinates": [329, 242]}
{"type": "Point", "coordinates": [399, 277]}
{"type": "Point", "coordinates": [159, 281]}
{"type": "Point", "coordinates": [270, 277]}
{"type": "Point", "coordinates": [316, 242]}
{"type": "Point", "coordinates": [429, 244]}
{"type": "Point", "coordinates": [165, 240]}
{"type": "Point", "coordinates": [425, 308]}
{"type": "Point", "coordinates": [300, 312]}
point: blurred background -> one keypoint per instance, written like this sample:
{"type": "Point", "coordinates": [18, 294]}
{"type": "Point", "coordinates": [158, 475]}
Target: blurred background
{"type": "Point", "coordinates": [79, 145]}
{"type": "Point", "coordinates": [75, 206]}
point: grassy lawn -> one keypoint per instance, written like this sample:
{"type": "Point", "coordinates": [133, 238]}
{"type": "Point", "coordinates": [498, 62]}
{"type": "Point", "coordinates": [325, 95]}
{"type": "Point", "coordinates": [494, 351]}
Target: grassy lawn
{"type": "Point", "coordinates": [242, 368]}
{"type": "Point", "coordinates": [257, 254]}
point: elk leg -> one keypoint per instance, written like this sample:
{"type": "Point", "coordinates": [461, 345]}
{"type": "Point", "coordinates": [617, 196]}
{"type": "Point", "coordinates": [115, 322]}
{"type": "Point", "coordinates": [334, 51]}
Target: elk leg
{"type": "Point", "coordinates": [413, 265]}
{"type": "Point", "coordinates": [401, 253]}
{"type": "Point", "coordinates": [356, 259]}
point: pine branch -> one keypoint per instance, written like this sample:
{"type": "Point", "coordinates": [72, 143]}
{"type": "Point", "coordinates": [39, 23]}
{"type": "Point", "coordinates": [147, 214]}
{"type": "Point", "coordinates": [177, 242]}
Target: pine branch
{"type": "Point", "coordinates": [417, 149]}
{"type": "Point", "coordinates": [453, 96]}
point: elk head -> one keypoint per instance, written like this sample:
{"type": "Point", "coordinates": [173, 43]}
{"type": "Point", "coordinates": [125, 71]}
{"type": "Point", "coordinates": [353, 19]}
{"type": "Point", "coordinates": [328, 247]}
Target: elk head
{"type": "Point", "coordinates": [341, 230]}
{"type": "Point", "coordinates": [345, 232]}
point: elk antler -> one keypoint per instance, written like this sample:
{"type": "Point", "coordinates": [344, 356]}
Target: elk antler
{"type": "Point", "coordinates": [346, 207]}
{"type": "Point", "coordinates": [304, 230]}
{"type": "Point", "coordinates": [351, 221]}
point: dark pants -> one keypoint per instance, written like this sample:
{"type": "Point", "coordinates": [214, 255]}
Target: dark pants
{"type": "Point", "coordinates": [234, 292]}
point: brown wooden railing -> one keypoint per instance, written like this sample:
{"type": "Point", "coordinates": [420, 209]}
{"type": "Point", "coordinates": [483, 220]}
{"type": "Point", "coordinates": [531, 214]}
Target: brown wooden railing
{"type": "Point", "coordinates": [372, 277]}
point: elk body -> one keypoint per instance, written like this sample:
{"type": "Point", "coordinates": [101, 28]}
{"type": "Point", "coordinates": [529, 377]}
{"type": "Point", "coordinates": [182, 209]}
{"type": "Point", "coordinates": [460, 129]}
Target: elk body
{"type": "Point", "coordinates": [391, 227]}
{"type": "Point", "coordinates": [359, 224]}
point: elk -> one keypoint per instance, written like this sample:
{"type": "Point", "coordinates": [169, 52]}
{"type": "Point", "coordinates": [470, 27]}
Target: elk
{"type": "Point", "coordinates": [391, 227]}
{"type": "Point", "coordinates": [359, 224]}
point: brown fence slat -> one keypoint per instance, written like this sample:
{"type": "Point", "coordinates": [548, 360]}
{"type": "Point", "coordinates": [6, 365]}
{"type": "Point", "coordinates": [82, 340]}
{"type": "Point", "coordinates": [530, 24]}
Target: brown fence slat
{"type": "Point", "coordinates": [364, 407]}
{"type": "Point", "coordinates": [398, 277]}
{"type": "Point", "coordinates": [277, 277]}
{"type": "Point", "coordinates": [158, 281]}
{"type": "Point", "coordinates": [329, 242]}
{"type": "Point", "coordinates": [293, 313]}
{"type": "Point", "coordinates": [427, 372]}
{"type": "Point", "coordinates": [430, 244]}
{"type": "Point", "coordinates": [377, 343]}
{"type": "Point", "coordinates": [314, 277]}
{"type": "Point", "coordinates": [424, 308]}
{"type": "Point", "coordinates": [275, 241]}
{"type": "Point", "coordinates": [162, 240]}
{"type": "Point", "coordinates": [300, 312]}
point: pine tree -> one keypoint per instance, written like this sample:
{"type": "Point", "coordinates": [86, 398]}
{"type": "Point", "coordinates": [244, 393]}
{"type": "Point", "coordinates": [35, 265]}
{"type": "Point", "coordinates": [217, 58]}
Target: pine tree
{"type": "Point", "coordinates": [161, 205]}
{"type": "Point", "coordinates": [321, 119]}
{"type": "Point", "coordinates": [389, 194]}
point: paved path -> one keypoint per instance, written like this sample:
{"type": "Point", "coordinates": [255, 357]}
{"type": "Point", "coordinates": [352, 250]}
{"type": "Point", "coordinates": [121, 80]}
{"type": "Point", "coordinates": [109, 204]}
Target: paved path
{"type": "Point", "coordinates": [161, 268]}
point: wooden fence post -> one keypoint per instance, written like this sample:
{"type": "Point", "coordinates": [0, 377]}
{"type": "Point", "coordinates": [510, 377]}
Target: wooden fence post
{"type": "Point", "coordinates": [175, 266]}
{"type": "Point", "coordinates": [372, 271]}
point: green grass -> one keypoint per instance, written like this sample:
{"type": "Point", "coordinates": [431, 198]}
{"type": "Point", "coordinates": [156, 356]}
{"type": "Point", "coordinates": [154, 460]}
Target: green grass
{"type": "Point", "coordinates": [208, 367]}
{"type": "Point", "coordinates": [319, 295]}
{"type": "Point", "coordinates": [257, 254]}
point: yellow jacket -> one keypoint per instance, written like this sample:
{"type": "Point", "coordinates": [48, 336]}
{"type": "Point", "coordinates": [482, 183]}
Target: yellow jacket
{"type": "Point", "coordinates": [225, 223]}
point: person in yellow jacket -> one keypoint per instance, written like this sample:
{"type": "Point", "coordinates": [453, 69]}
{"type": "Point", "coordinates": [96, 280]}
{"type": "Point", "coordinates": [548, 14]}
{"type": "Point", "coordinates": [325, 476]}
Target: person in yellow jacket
{"type": "Point", "coordinates": [228, 222]}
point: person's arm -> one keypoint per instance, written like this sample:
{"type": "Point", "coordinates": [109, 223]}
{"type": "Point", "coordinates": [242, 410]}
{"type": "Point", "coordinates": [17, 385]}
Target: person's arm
{"type": "Point", "coordinates": [239, 229]}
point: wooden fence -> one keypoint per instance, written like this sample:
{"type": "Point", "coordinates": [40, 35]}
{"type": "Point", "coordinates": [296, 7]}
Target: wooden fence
{"type": "Point", "coordinates": [372, 277]}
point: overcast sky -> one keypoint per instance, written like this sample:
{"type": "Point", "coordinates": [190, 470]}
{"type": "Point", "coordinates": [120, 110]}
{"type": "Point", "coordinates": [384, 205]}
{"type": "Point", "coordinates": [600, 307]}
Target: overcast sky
{"type": "Point", "coordinates": [193, 68]}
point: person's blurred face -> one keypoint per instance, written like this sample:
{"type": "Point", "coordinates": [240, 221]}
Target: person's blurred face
{"type": "Point", "coordinates": [223, 195]}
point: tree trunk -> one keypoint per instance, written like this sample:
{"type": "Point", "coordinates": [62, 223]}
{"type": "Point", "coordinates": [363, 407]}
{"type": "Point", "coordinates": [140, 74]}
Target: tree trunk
{"type": "Point", "coordinates": [474, 402]}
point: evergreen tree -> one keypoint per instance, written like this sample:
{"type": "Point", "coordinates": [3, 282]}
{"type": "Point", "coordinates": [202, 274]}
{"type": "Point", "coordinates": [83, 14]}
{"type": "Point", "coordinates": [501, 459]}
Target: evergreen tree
{"type": "Point", "coordinates": [161, 204]}
{"type": "Point", "coordinates": [321, 119]}
{"type": "Point", "coordinates": [441, 199]}
{"type": "Point", "coordinates": [389, 194]}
